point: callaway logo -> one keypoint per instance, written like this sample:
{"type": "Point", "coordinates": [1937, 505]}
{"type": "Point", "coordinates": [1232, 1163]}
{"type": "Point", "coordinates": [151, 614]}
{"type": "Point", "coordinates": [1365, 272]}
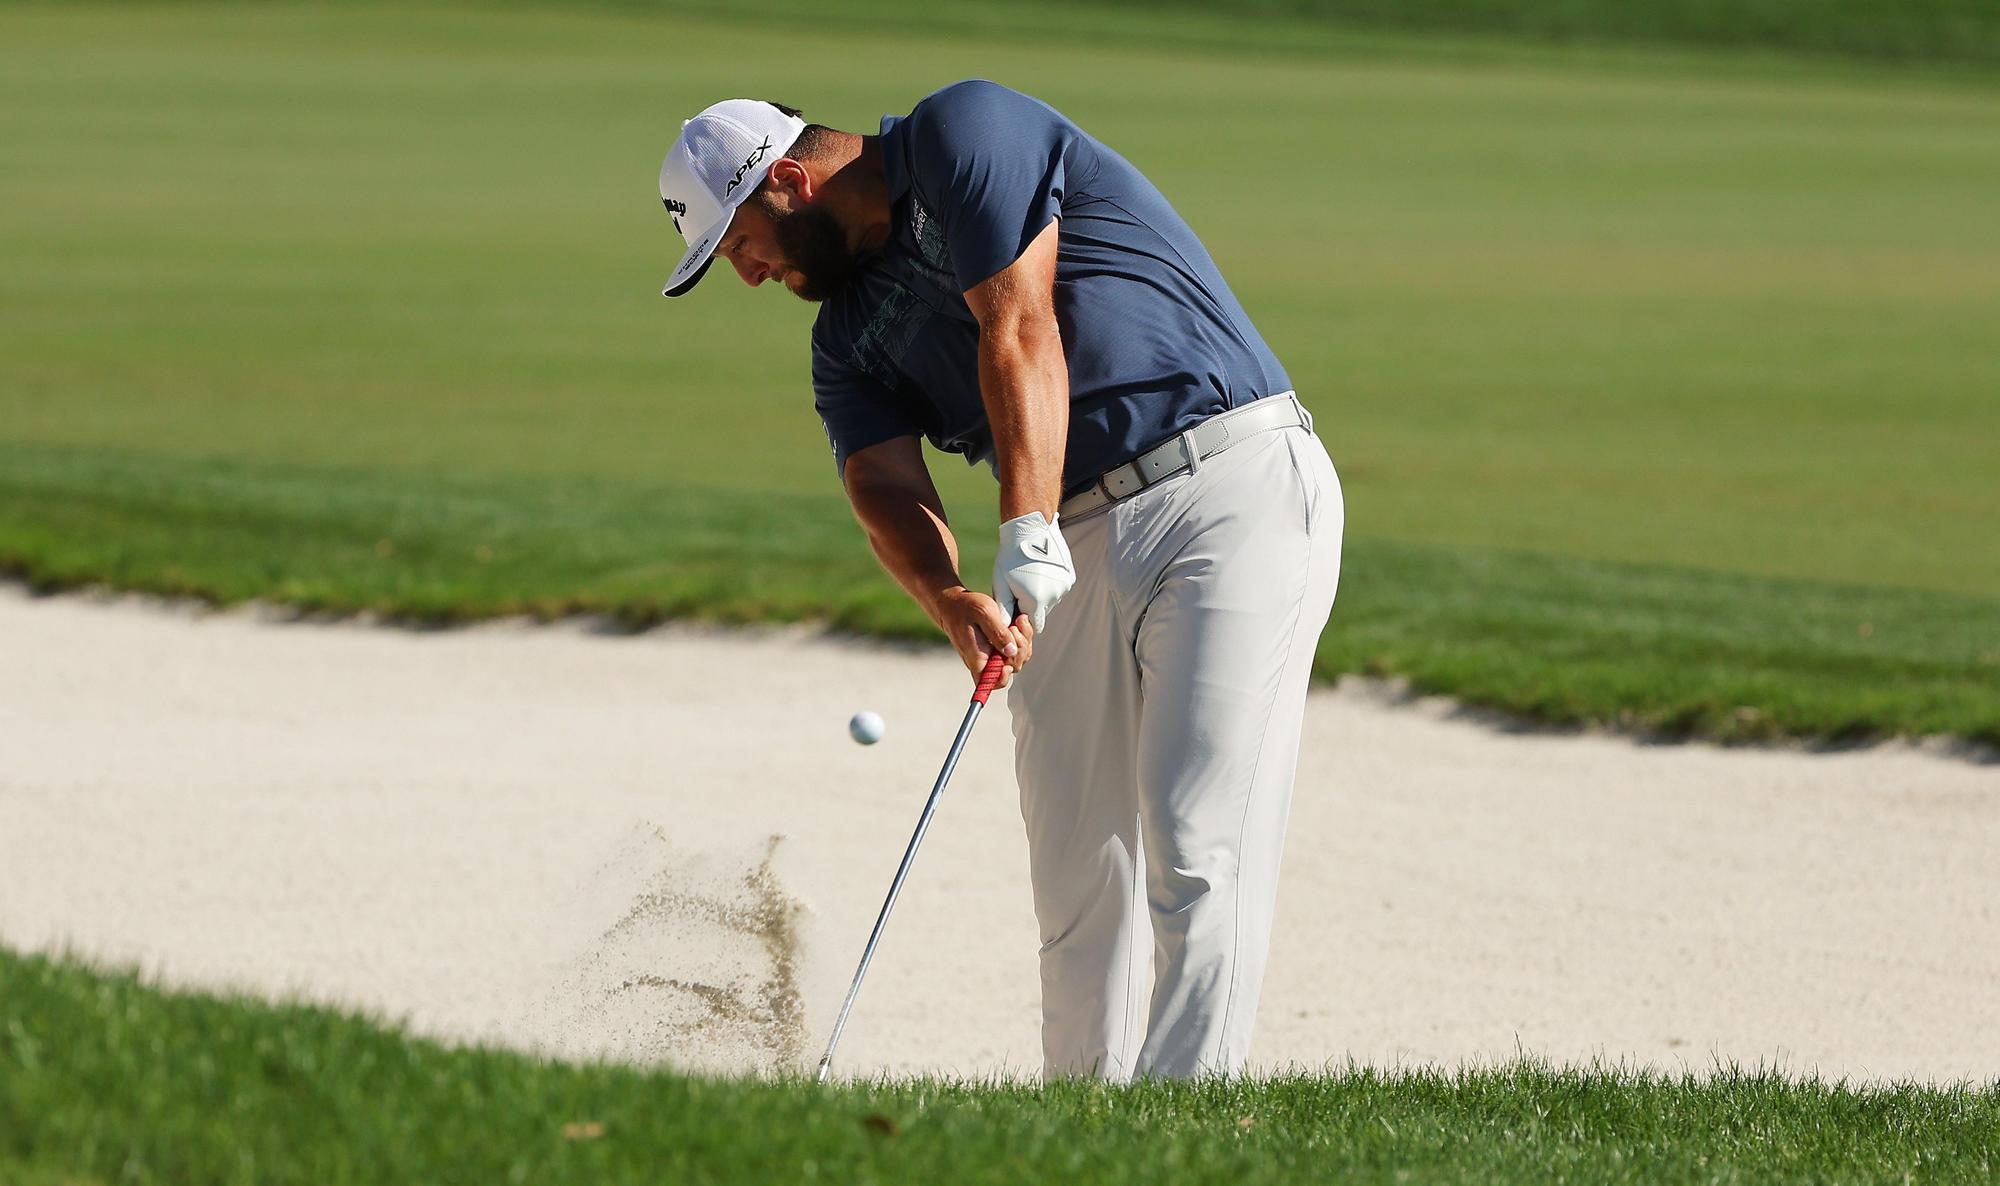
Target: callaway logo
{"type": "Point", "coordinates": [756, 154]}
{"type": "Point", "coordinates": [676, 209]}
{"type": "Point", "coordinates": [1039, 548]}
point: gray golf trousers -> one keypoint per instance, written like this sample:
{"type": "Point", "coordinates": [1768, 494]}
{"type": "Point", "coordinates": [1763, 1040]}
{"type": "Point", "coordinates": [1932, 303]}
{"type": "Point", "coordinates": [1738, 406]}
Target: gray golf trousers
{"type": "Point", "coordinates": [1156, 737]}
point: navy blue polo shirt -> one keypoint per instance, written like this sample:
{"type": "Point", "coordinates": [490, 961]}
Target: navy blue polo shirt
{"type": "Point", "coordinates": [1155, 341]}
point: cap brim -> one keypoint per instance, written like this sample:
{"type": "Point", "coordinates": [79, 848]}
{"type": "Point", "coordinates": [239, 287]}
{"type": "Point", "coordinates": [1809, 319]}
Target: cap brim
{"type": "Point", "coordinates": [694, 265]}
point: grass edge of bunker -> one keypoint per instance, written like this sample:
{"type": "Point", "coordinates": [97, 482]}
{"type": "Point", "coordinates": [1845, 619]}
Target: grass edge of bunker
{"type": "Point", "coordinates": [104, 1076]}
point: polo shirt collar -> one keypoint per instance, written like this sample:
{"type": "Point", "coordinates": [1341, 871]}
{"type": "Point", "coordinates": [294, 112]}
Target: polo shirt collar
{"type": "Point", "coordinates": [893, 172]}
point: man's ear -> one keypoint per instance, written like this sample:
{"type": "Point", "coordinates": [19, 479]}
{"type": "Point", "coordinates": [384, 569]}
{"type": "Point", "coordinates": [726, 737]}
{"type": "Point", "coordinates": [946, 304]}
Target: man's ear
{"type": "Point", "coordinates": [792, 178]}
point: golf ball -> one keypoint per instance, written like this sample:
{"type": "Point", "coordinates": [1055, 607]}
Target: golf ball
{"type": "Point", "coordinates": [866, 728]}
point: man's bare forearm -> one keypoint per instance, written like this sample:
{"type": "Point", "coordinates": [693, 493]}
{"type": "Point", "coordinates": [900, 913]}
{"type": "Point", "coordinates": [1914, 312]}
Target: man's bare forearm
{"type": "Point", "coordinates": [1024, 383]}
{"type": "Point", "coordinates": [1023, 378]}
{"type": "Point", "coordinates": [913, 542]}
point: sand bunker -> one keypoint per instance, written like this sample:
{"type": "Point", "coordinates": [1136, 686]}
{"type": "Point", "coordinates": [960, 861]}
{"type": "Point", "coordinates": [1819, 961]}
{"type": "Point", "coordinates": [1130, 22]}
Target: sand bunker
{"type": "Point", "coordinates": [562, 840]}
{"type": "Point", "coordinates": [698, 964]}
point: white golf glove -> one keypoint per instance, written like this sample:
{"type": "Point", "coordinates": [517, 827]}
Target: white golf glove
{"type": "Point", "coordinates": [1033, 570]}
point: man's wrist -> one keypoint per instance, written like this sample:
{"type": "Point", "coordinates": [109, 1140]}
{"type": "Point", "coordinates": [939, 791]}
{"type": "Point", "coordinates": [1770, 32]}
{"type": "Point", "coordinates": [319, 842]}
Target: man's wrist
{"type": "Point", "coordinates": [1013, 506]}
{"type": "Point", "coordinates": [941, 597]}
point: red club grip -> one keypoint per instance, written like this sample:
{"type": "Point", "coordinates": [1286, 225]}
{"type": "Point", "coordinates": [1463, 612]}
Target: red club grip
{"type": "Point", "coordinates": [989, 679]}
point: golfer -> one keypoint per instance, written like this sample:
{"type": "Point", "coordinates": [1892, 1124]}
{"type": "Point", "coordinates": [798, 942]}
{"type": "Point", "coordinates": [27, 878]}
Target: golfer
{"type": "Point", "coordinates": [993, 279]}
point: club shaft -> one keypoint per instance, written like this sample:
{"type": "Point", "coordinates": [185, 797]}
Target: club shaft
{"type": "Point", "coordinates": [896, 886]}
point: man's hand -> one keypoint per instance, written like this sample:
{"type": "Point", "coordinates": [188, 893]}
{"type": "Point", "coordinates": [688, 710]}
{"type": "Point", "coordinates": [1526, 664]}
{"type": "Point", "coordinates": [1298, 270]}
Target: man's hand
{"type": "Point", "coordinates": [977, 627]}
{"type": "Point", "coordinates": [1033, 570]}
{"type": "Point", "coordinates": [898, 505]}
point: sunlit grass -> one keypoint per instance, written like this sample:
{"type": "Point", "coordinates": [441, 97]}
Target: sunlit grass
{"type": "Point", "coordinates": [103, 1078]}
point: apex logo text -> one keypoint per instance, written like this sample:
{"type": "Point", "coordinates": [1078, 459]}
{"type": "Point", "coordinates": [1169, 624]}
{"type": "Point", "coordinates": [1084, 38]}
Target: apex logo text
{"type": "Point", "coordinates": [756, 154]}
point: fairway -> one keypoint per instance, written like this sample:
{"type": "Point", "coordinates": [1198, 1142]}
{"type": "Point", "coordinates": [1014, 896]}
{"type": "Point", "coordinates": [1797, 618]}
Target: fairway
{"type": "Point", "coordinates": [288, 287]}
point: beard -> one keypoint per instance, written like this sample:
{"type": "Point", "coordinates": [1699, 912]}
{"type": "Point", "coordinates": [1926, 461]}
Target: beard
{"type": "Point", "coordinates": [816, 248]}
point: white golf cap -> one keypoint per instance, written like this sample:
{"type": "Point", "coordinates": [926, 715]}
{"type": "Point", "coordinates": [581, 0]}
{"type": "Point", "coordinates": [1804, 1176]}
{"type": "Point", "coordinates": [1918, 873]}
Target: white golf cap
{"type": "Point", "coordinates": [721, 155]}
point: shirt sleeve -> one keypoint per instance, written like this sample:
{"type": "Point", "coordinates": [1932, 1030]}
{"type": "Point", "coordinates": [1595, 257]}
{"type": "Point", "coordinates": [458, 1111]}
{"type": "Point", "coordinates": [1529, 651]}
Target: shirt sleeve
{"type": "Point", "coordinates": [988, 163]}
{"type": "Point", "coordinates": [855, 409]}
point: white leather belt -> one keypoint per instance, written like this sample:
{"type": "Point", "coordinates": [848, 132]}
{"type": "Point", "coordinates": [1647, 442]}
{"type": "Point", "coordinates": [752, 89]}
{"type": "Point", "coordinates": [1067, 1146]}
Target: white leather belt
{"type": "Point", "coordinates": [1183, 452]}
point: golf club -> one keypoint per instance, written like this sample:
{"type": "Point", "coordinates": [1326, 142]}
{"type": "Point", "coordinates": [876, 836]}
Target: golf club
{"type": "Point", "coordinates": [989, 679]}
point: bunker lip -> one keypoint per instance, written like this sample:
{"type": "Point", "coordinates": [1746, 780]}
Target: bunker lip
{"type": "Point", "coordinates": [465, 830]}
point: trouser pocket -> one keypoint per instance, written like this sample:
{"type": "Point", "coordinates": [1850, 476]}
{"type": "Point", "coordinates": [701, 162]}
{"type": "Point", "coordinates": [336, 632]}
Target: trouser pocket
{"type": "Point", "coordinates": [1308, 486]}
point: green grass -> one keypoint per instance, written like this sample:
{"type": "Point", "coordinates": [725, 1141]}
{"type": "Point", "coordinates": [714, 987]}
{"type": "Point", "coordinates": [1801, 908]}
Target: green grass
{"type": "Point", "coordinates": [1560, 640]}
{"type": "Point", "coordinates": [1906, 33]}
{"type": "Point", "coordinates": [1652, 384]}
{"type": "Point", "coordinates": [1894, 29]}
{"type": "Point", "coordinates": [104, 1079]}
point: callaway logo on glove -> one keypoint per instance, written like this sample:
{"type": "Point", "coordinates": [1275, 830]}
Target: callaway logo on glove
{"type": "Point", "coordinates": [1033, 570]}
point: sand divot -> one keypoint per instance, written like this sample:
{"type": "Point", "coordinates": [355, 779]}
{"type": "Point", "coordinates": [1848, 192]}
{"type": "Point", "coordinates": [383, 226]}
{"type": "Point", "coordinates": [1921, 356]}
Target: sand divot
{"type": "Point", "coordinates": [693, 959]}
